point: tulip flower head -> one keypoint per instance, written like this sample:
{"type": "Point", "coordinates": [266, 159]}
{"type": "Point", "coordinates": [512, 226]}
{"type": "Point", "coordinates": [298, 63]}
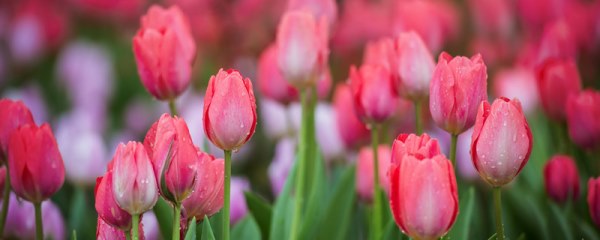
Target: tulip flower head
{"type": "Point", "coordinates": [556, 80]}
{"type": "Point", "coordinates": [19, 115]}
{"type": "Point", "coordinates": [412, 66]}
{"type": "Point", "coordinates": [364, 171]}
{"type": "Point", "coordinates": [352, 131]}
{"type": "Point", "coordinates": [583, 114]}
{"type": "Point", "coordinates": [413, 145]}
{"type": "Point", "coordinates": [375, 100]}
{"type": "Point", "coordinates": [207, 197]}
{"type": "Point", "coordinates": [593, 199]}
{"type": "Point", "coordinates": [561, 178]}
{"type": "Point", "coordinates": [106, 205]}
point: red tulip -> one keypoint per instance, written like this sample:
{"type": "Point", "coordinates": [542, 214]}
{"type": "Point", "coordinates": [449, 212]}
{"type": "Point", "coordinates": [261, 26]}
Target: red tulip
{"type": "Point", "coordinates": [413, 145]}
{"type": "Point", "coordinates": [561, 178]}
{"type": "Point", "coordinates": [173, 156]}
{"type": "Point", "coordinates": [412, 64]}
{"type": "Point", "coordinates": [36, 166]}
{"type": "Point", "coordinates": [16, 114]}
{"type": "Point", "coordinates": [424, 196]}
{"type": "Point", "coordinates": [557, 79]}
{"type": "Point", "coordinates": [380, 52]}
{"type": "Point", "coordinates": [134, 185]}
{"type": "Point", "coordinates": [164, 52]}
{"type": "Point", "coordinates": [364, 171]}
{"type": "Point", "coordinates": [106, 206]}
{"type": "Point", "coordinates": [351, 129]}
{"type": "Point", "coordinates": [229, 110]}
{"type": "Point", "coordinates": [501, 141]}
{"type": "Point", "coordinates": [583, 118]}
{"type": "Point", "coordinates": [375, 99]}
{"type": "Point", "coordinates": [302, 47]}
{"type": "Point", "coordinates": [458, 86]}
{"type": "Point", "coordinates": [207, 197]}
{"type": "Point", "coordinates": [105, 231]}
{"type": "Point", "coordinates": [593, 199]}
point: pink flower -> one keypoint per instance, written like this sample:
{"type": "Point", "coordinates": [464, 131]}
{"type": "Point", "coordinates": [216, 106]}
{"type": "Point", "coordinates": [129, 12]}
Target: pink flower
{"type": "Point", "coordinates": [556, 80]}
{"type": "Point", "coordinates": [319, 8]}
{"type": "Point", "coordinates": [412, 64]}
{"type": "Point", "coordinates": [517, 83]}
{"type": "Point", "coordinates": [375, 100]}
{"type": "Point", "coordinates": [593, 199]}
{"type": "Point", "coordinates": [561, 179]}
{"type": "Point", "coordinates": [583, 114]}
{"type": "Point", "coordinates": [283, 160]}
{"type": "Point", "coordinates": [352, 31]}
{"type": "Point", "coordinates": [352, 131]}
{"type": "Point", "coordinates": [413, 145]}
{"type": "Point", "coordinates": [164, 52]}
{"type": "Point", "coordinates": [364, 171]}
{"type": "Point", "coordinates": [494, 19]}
{"type": "Point", "coordinates": [501, 141]}
{"type": "Point", "coordinates": [17, 114]}
{"type": "Point", "coordinates": [458, 86]}
{"type": "Point", "coordinates": [106, 205]}
{"type": "Point", "coordinates": [207, 196]}
{"type": "Point", "coordinates": [21, 223]}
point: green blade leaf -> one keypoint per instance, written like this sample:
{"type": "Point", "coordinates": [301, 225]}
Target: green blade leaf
{"type": "Point", "coordinates": [338, 211]}
{"type": "Point", "coordinates": [247, 229]}
{"type": "Point", "coordinates": [314, 206]}
{"type": "Point", "coordinates": [462, 226]}
{"type": "Point", "coordinates": [164, 216]}
{"type": "Point", "coordinates": [392, 232]}
{"type": "Point", "coordinates": [191, 231]}
{"type": "Point", "coordinates": [283, 209]}
{"type": "Point", "coordinates": [207, 231]}
{"type": "Point", "coordinates": [261, 210]}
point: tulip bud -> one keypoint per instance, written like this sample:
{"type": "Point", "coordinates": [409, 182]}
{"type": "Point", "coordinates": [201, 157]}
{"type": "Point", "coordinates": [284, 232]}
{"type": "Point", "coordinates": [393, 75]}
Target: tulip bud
{"type": "Point", "coordinates": [501, 141]}
{"type": "Point", "coordinates": [428, 209]}
{"type": "Point", "coordinates": [352, 130]}
{"type": "Point", "coordinates": [164, 51]}
{"type": "Point", "coordinates": [457, 88]}
{"type": "Point", "coordinates": [173, 156]}
{"type": "Point", "coordinates": [583, 114]}
{"type": "Point", "coordinates": [134, 185]}
{"type": "Point", "coordinates": [106, 206]}
{"type": "Point", "coordinates": [207, 197]}
{"type": "Point", "coordinates": [561, 178]}
{"type": "Point", "coordinates": [36, 166]}
{"type": "Point", "coordinates": [413, 145]}
{"type": "Point", "coordinates": [375, 100]}
{"type": "Point", "coordinates": [229, 110]}
{"type": "Point", "coordinates": [413, 66]}
{"type": "Point", "coordinates": [557, 79]}
{"type": "Point", "coordinates": [593, 199]}
{"type": "Point", "coordinates": [302, 47]}
{"type": "Point", "coordinates": [364, 171]}
{"type": "Point", "coordinates": [18, 114]}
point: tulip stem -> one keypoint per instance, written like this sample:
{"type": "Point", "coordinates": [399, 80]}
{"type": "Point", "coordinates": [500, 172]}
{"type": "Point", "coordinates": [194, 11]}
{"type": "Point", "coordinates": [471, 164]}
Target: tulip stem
{"type": "Point", "coordinates": [176, 222]}
{"type": "Point", "coordinates": [453, 148]}
{"type": "Point", "coordinates": [5, 200]}
{"type": "Point", "coordinates": [226, 198]}
{"type": "Point", "coordinates": [376, 196]}
{"type": "Point", "coordinates": [302, 155]}
{"type": "Point", "coordinates": [128, 235]}
{"type": "Point", "coordinates": [418, 123]}
{"type": "Point", "coordinates": [39, 229]}
{"type": "Point", "coordinates": [498, 206]}
{"type": "Point", "coordinates": [135, 221]}
{"type": "Point", "coordinates": [173, 107]}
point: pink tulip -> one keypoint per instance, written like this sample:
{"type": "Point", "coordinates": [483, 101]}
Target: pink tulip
{"type": "Point", "coordinates": [593, 199]}
{"type": "Point", "coordinates": [458, 86]}
{"type": "Point", "coordinates": [412, 65]}
{"type": "Point", "coordinates": [110, 9]}
{"type": "Point", "coordinates": [106, 205]}
{"type": "Point", "coordinates": [364, 171]}
{"type": "Point", "coordinates": [501, 141]}
{"type": "Point", "coordinates": [173, 156]}
{"type": "Point", "coordinates": [134, 185]}
{"type": "Point", "coordinates": [583, 114]}
{"type": "Point", "coordinates": [207, 196]}
{"type": "Point", "coordinates": [105, 231]}
{"type": "Point", "coordinates": [164, 52]}
{"type": "Point", "coordinates": [302, 50]}
{"type": "Point", "coordinates": [561, 179]}
{"type": "Point", "coordinates": [352, 131]}
{"type": "Point", "coordinates": [352, 31]}
{"type": "Point", "coordinates": [36, 166]}
{"type": "Point", "coordinates": [517, 83]}
{"type": "Point", "coordinates": [558, 42]}
{"type": "Point", "coordinates": [413, 145]}
{"type": "Point", "coordinates": [380, 52]}
{"type": "Point", "coordinates": [375, 100]}
{"type": "Point", "coordinates": [494, 19]}
{"type": "Point", "coordinates": [423, 196]}
{"type": "Point", "coordinates": [556, 80]}
{"type": "Point", "coordinates": [229, 110]}
{"type": "Point", "coordinates": [16, 114]}
{"type": "Point", "coordinates": [327, 134]}
{"type": "Point", "coordinates": [319, 8]}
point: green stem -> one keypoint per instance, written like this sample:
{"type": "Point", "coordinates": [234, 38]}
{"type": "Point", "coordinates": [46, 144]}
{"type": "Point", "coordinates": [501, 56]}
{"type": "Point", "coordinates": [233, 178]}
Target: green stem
{"type": "Point", "coordinates": [173, 107]}
{"type": "Point", "coordinates": [453, 149]}
{"type": "Point", "coordinates": [376, 196]}
{"type": "Point", "coordinates": [5, 200]}
{"type": "Point", "coordinates": [498, 206]}
{"type": "Point", "coordinates": [302, 153]}
{"type": "Point", "coordinates": [39, 228]}
{"type": "Point", "coordinates": [127, 235]}
{"type": "Point", "coordinates": [135, 221]}
{"type": "Point", "coordinates": [418, 123]}
{"type": "Point", "coordinates": [176, 222]}
{"type": "Point", "coordinates": [226, 198]}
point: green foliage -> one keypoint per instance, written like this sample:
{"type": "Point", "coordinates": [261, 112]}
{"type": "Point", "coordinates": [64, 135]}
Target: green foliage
{"type": "Point", "coordinates": [261, 210]}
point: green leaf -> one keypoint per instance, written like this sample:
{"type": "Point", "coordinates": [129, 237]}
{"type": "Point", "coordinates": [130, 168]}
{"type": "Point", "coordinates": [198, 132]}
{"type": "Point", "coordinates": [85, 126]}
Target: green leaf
{"type": "Point", "coordinates": [164, 215]}
{"type": "Point", "coordinates": [283, 209]}
{"type": "Point", "coordinates": [314, 206]}
{"type": "Point", "coordinates": [78, 214]}
{"type": "Point", "coordinates": [461, 229]}
{"type": "Point", "coordinates": [191, 231]}
{"type": "Point", "coordinates": [338, 211]}
{"type": "Point", "coordinates": [562, 222]}
{"type": "Point", "coordinates": [261, 210]}
{"type": "Point", "coordinates": [207, 231]}
{"type": "Point", "coordinates": [246, 229]}
{"type": "Point", "coordinates": [392, 232]}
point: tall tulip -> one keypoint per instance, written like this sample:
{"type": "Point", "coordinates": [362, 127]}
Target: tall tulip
{"type": "Point", "coordinates": [364, 171]}
{"type": "Point", "coordinates": [561, 178]}
{"type": "Point", "coordinates": [557, 79]}
{"type": "Point", "coordinates": [583, 114]}
{"type": "Point", "coordinates": [352, 131]}
{"type": "Point", "coordinates": [412, 64]}
{"type": "Point", "coordinates": [106, 205]}
{"type": "Point", "coordinates": [413, 145]}
{"type": "Point", "coordinates": [207, 197]}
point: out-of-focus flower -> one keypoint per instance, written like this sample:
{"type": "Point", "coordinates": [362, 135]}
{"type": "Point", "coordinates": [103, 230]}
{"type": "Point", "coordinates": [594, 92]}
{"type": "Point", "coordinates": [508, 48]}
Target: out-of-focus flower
{"type": "Point", "coordinates": [134, 185]}
{"type": "Point", "coordinates": [327, 133]}
{"type": "Point", "coordinates": [238, 200]}
{"type": "Point", "coordinates": [16, 114]}
{"type": "Point", "coordinates": [536, 13]}
{"type": "Point", "coordinates": [106, 205]}
{"type": "Point", "coordinates": [364, 171]}
{"type": "Point", "coordinates": [21, 224]}
{"type": "Point", "coordinates": [150, 225]}
{"type": "Point", "coordinates": [229, 110]}
{"type": "Point", "coordinates": [583, 118]}
{"type": "Point", "coordinates": [302, 49]}
{"type": "Point", "coordinates": [207, 196]}
{"type": "Point", "coordinates": [493, 18]}
{"type": "Point", "coordinates": [501, 141]}
{"type": "Point", "coordinates": [274, 119]}
{"type": "Point", "coordinates": [375, 99]}
{"type": "Point", "coordinates": [32, 96]}
{"type": "Point", "coordinates": [593, 199]}
{"type": "Point", "coordinates": [36, 167]}
{"type": "Point", "coordinates": [353, 31]}
{"type": "Point", "coordinates": [352, 131]}
{"type": "Point", "coordinates": [2, 179]}
{"type": "Point", "coordinates": [556, 80]}
{"type": "Point", "coordinates": [188, 108]}
{"type": "Point", "coordinates": [557, 42]}
{"type": "Point", "coordinates": [413, 145]}
{"type": "Point", "coordinates": [319, 8]}
{"type": "Point", "coordinates": [111, 9]}
{"type": "Point", "coordinates": [164, 52]}
{"type": "Point", "coordinates": [381, 52]}
{"type": "Point", "coordinates": [561, 179]}
{"type": "Point", "coordinates": [283, 160]}
{"type": "Point", "coordinates": [436, 190]}
{"type": "Point", "coordinates": [517, 83]}
{"type": "Point", "coordinates": [458, 86]}
{"type": "Point", "coordinates": [412, 66]}
{"type": "Point", "coordinates": [205, 21]}
{"type": "Point", "coordinates": [464, 163]}
{"type": "Point", "coordinates": [494, 51]}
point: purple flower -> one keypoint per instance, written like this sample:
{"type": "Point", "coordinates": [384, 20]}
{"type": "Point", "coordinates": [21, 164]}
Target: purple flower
{"type": "Point", "coordinates": [21, 220]}
{"type": "Point", "coordinates": [281, 164]}
{"type": "Point", "coordinates": [238, 201]}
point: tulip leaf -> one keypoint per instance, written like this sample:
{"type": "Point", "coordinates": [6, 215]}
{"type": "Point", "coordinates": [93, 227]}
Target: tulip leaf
{"type": "Point", "coordinates": [462, 226]}
{"type": "Point", "coordinates": [78, 215]}
{"type": "Point", "coordinates": [392, 232]}
{"type": "Point", "coordinates": [191, 231]}
{"type": "Point", "coordinates": [562, 222]}
{"type": "Point", "coordinates": [283, 209]}
{"type": "Point", "coordinates": [314, 206]}
{"type": "Point", "coordinates": [207, 231]}
{"type": "Point", "coordinates": [247, 229]}
{"type": "Point", "coordinates": [261, 210]}
{"type": "Point", "coordinates": [164, 216]}
{"type": "Point", "coordinates": [338, 211]}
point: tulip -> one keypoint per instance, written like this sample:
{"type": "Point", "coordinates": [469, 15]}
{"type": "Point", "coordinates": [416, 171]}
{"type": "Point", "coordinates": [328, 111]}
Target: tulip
{"type": "Point", "coordinates": [364, 171]}
{"type": "Point", "coordinates": [18, 114]}
{"type": "Point", "coordinates": [583, 114]}
{"type": "Point", "coordinates": [302, 48]}
{"type": "Point", "coordinates": [173, 156]}
{"type": "Point", "coordinates": [239, 185]}
{"type": "Point", "coordinates": [561, 179]}
{"type": "Point", "coordinates": [352, 131]}
{"type": "Point", "coordinates": [558, 42]}
{"type": "Point", "coordinates": [493, 19]}
{"type": "Point", "coordinates": [319, 8]}
{"type": "Point", "coordinates": [274, 118]}
{"type": "Point", "coordinates": [457, 88]}
{"type": "Point", "coordinates": [31, 96]}
{"type": "Point", "coordinates": [164, 51]}
{"type": "Point", "coordinates": [105, 231]}
{"type": "Point", "coordinates": [375, 101]}
{"type": "Point", "coordinates": [106, 205]}
{"type": "Point", "coordinates": [428, 209]}
{"type": "Point", "coordinates": [517, 83]}
{"type": "Point", "coordinates": [380, 52]}
{"type": "Point", "coordinates": [21, 224]}
{"type": "Point", "coordinates": [229, 110]}
{"type": "Point", "coordinates": [501, 142]}
{"type": "Point", "coordinates": [557, 79]}
{"type": "Point", "coordinates": [149, 225]}
{"type": "Point", "coordinates": [413, 145]}
{"type": "Point", "coordinates": [327, 134]}
{"type": "Point", "coordinates": [593, 199]}
{"type": "Point", "coordinates": [412, 64]}
{"type": "Point", "coordinates": [207, 197]}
